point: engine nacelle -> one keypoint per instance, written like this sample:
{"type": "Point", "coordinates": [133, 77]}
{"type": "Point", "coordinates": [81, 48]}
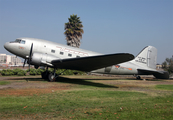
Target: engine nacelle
{"type": "Point", "coordinates": [42, 59]}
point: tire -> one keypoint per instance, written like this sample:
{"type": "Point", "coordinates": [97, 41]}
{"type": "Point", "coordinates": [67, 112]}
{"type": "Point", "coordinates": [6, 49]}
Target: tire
{"type": "Point", "coordinates": [51, 77]}
{"type": "Point", "coordinates": [138, 77]}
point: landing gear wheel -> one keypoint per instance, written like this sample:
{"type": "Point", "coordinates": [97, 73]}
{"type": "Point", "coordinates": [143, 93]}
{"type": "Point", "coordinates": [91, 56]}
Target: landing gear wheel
{"type": "Point", "coordinates": [138, 77]}
{"type": "Point", "coordinates": [51, 77]}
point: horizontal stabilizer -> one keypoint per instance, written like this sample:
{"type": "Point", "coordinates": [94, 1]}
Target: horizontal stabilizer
{"type": "Point", "coordinates": [157, 74]}
{"type": "Point", "coordinates": [92, 62]}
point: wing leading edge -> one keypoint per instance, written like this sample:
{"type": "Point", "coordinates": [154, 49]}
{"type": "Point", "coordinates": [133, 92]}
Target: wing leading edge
{"type": "Point", "coordinates": [92, 62]}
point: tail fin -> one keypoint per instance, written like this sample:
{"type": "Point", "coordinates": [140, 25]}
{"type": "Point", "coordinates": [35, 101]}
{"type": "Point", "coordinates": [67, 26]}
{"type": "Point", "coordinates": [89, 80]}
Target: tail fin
{"type": "Point", "coordinates": [147, 57]}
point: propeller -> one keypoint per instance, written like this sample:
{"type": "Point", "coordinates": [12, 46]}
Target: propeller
{"type": "Point", "coordinates": [29, 59]}
{"type": "Point", "coordinates": [24, 63]}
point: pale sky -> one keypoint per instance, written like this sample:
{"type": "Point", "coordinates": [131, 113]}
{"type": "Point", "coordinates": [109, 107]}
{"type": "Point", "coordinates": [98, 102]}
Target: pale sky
{"type": "Point", "coordinates": [110, 26]}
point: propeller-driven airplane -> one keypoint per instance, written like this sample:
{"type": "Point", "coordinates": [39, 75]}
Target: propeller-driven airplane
{"type": "Point", "coordinates": [40, 52]}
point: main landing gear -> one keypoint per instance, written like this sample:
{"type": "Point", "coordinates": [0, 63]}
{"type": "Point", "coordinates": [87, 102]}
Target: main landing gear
{"type": "Point", "coordinates": [137, 77]}
{"type": "Point", "coordinates": [50, 76]}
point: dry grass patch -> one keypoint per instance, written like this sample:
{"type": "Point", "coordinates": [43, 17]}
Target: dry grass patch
{"type": "Point", "coordinates": [29, 91]}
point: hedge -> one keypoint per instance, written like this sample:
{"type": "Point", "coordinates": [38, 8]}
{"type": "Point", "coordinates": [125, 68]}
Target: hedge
{"type": "Point", "coordinates": [20, 72]}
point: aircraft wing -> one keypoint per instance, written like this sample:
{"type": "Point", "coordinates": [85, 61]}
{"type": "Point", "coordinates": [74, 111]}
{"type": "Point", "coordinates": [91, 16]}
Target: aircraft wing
{"type": "Point", "coordinates": [157, 74]}
{"type": "Point", "coordinates": [92, 62]}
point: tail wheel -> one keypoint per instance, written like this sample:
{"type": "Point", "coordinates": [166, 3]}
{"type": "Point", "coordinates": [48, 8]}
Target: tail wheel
{"type": "Point", "coordinates": [138, 77]}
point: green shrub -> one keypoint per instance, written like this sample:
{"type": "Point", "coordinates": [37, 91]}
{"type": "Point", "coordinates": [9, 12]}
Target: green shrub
{"type": "Point", "coordinates": [68, 72]}
{"type": "Point", "coordinates": [7, 72]}
{"type": "Point", "coordinates": [39, 71]}
{"type": "Point", "coordinates": [15, 71]}
{"type": "Point", "coordinates": [10, 72]}
{"type": "Point", "coordinates": [21, 73]}
{"type": "Point", "coordinates": [2, 72]}
{"type": "Point", "coordinates": [33, 72]}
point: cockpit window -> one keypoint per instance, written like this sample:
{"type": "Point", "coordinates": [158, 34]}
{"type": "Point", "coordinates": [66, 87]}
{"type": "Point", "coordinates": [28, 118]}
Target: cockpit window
{"type": "Point", "coordinates": [19, 41]}
{"type": "Point", "coordinates": [22, 42]}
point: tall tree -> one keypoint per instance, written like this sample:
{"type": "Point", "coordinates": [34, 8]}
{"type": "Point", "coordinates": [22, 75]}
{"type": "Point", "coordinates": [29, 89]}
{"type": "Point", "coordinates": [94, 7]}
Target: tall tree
{"type": "Point", "coordinates": [167, 65]}
{"type": "Point", "coordinates": [73, 31]}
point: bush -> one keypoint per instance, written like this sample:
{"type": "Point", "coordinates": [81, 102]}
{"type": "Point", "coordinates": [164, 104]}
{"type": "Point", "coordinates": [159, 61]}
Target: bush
{"type": "Point", "coordinates": [33, 72]}
{"type": "Point", "coordinates": [7, 72]}
{"type": "Point", "coordinates": [69, 72]}
{"type": "Point", "coordinates": [23, 73]}
{"type": "Point", "coordinates": [20, 72]}
{"type": "Point", "coordinates": [39, 71]}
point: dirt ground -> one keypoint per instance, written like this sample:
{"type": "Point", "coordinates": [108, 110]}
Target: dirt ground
{"type": "Point", "coordinates": [30, 85]}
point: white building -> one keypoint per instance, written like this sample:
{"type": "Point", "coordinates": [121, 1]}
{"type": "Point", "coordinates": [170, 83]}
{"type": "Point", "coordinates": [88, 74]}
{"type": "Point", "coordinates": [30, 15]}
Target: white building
{"type": "Point", "coordinates": [9, 59]}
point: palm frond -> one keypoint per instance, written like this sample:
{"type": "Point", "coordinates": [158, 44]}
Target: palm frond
{"type": "Point", "coordinates": [73, 31]}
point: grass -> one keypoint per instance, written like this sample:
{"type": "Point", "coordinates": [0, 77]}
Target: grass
{"type": "Point", "coordinates": [165, 87]}
{"type": "Point", "coordinates": [84, 102]}
{"type": "Point", "coordinates": [4, 82]}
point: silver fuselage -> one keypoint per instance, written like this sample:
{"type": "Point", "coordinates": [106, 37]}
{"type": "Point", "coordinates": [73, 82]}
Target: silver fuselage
{"type": "Point", "coordinates": [22, 49]}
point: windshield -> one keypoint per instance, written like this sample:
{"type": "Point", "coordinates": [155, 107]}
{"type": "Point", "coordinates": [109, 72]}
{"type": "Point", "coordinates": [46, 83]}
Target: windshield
{"type": "Point", "coordinates": [18, 41]}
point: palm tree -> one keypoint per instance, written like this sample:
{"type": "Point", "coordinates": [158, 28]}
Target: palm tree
{"type": "Point", "coordinates": [73, 31]}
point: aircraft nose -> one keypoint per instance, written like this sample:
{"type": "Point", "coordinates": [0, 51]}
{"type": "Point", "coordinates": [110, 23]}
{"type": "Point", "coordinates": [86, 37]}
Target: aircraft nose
{"type": "Point", "coordinates": [6, 45]}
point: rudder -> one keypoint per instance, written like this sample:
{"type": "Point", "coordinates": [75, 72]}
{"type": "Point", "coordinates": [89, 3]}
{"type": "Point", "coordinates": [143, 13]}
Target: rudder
{"type": "Point", "coordinates": [147, 57]}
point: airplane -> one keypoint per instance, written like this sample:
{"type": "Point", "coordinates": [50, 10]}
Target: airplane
{"type": "Point", "coordinates": [43, 53]}
{"type": "Point", "coordinates": [143, 64]}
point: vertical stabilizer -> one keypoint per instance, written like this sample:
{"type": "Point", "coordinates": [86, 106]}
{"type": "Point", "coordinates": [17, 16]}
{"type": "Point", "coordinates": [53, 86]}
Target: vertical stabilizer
{"type": "Point", "coordinates": [147, 57]}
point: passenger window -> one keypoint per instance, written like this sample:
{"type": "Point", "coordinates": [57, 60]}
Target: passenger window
{"type": "Point", "coordinates": [78, 56]}
{"type": "Point", "coordinates": [69, 55]}
{"type": "Point", "coordinates": [62, 53]}
{"type": "Point", "coordinates": [53, 51]}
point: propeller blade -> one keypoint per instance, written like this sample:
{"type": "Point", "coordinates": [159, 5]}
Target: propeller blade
{"type": "Point", "coordinates": [30, 55]}
{"type": "Point", "coordinates": [29, 66]}
{"type": "Point", "coordinates": [31, 50]}
{"type": "Point", "coordinates": [24, 63]}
